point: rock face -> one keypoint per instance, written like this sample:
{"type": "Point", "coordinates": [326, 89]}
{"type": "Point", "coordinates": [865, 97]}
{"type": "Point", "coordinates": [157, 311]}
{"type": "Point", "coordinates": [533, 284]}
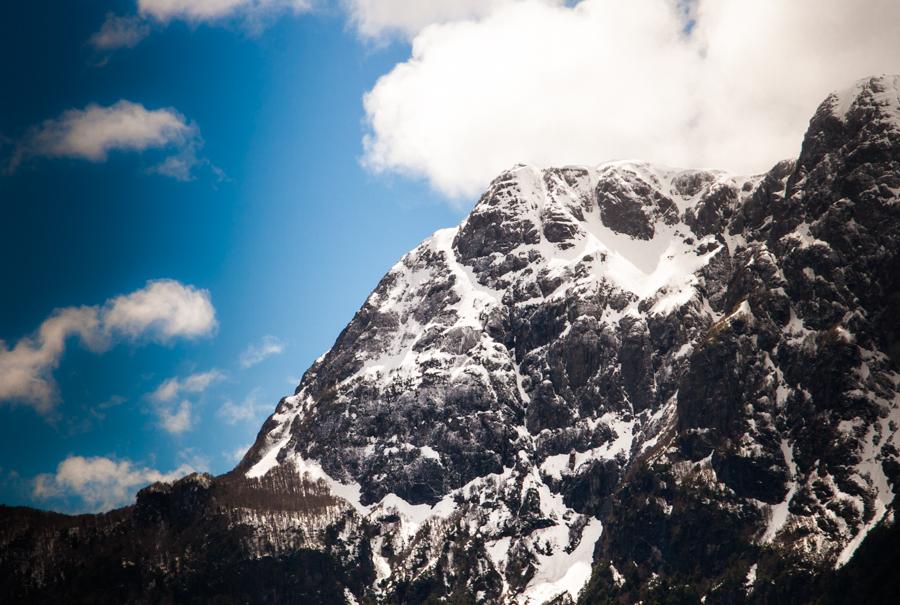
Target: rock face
{"type": "Point", "coordinates": [610, 384]}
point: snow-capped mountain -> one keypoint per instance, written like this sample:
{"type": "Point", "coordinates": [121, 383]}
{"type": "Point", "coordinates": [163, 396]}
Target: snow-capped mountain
{"type": "Point", "coordinates": [620, 383]}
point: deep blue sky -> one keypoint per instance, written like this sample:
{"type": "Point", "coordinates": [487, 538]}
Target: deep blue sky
{"type": "Point", "coordinates": [289, 244]}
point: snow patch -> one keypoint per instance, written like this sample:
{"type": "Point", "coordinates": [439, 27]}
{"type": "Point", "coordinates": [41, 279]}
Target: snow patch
{"type": "Point", "coordinates": [268, 461]}
{"type": "Point", "coordinates": [561, 572]}
{"type": "Point", "coordinates": [427, 452]}
{"type": "Point", "coordinates": [750, 580]}
{"type": "Point", "coordinates": [779, 512]}
{"type": "Point", "coordinates": [872, 471]}
{"type": "Point", "coordinates": [618, 578]}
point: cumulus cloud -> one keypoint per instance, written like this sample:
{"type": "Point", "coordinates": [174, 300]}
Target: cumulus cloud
{"type": "Point", "coordinates": [213, 10]}
{"type": "Point", "coordinates": [251, 409]}
{"type": "Point", "coordinates": [119, 32]}
{"type": "Point", "coordinates": [95, 131]}
{"type": "Point", "coordinates": [98, 484]}
{"type": "Point", "coordinates": [256, 353]}
{"type": "Point", "coordinates": [555, 84]}
{"type": "Point", "coordinates": [162, 310]}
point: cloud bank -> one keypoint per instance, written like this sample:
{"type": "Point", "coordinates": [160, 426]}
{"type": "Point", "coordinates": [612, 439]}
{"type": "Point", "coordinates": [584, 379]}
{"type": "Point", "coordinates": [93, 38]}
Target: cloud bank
{"type": "Point", "coordinates": [99, 484]}
{"type": "Point", "coordinates": [163, 310]}
{"type": "Point", "coordinates": [550, 84]}
{"type": "Point", "coordinates": [95, 131]}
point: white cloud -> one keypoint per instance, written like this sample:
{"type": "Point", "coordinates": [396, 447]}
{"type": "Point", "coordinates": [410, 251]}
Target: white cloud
{"type": "Point", "coordinates": [195, 383]}
{"type": "Point", "coordinates": [162, 310]}
{"type": "Point", "coordinates": [99, 483]}
{"type": "Point", "coordinates": [95, 131]}
{"type": "Point", "coordinates": [127, 32]}
{"type": "Point", "coordinates": [266, 348]}
{"type": "Point", "coordinates": [553, 84]}
{"type": "Point", "coordinates": [181, 165]}
{"type": "Point", "coordinates": [25, 370]}
{"type": "Point", "coordinates": [213, 10]}
{"type": "Point", "coordinates": [384, 18]}
{"type": "Point", "coordinates": [249, 410]}
{"type": "Point", "coordinates": [167, 391]}
{"type": "Point", "coordinates": [120, 32]}
{"type": "Point", "coordinates": [176, 420]}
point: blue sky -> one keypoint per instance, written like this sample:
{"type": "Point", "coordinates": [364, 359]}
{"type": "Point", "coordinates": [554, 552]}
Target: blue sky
{"type": "Point", "coordinates": [198, 195]}
{"type": "Point", "coordinates": [288, 244]}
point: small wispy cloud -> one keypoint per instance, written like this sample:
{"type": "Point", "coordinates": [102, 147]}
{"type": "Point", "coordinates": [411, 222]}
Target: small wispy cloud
{"type": "Point", "coordinates": [251, 409]}
{"type": "Point", "coordinates": [176, 419]}
{"type": "Point", "coordinates": [96, 484]}
{"type": "Point", "coordinates": [91, 415]}
{"type": "Point", "coordinates": [120, 32]}
{"type": "Point", "coordinates": [127, 31]}
{"type": "Point", "coordinates": [95, 131]}
{"type": "Point", "coordinates": [193, 458]}
{"type": "Point", "coordinates": [216, 10]}
{"type": "Point", "coordinates": [236, 454]}
{"type": "Point", "coordinates": [194, 383]}
{"type": "Point", "coordinates": [260, 351]}
{"type": "Point", "coordinates": [163, 310]}
{"type": "Point", "coordinates": [114, 401]}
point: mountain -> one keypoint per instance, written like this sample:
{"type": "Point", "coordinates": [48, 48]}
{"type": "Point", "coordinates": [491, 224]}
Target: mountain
{"type": "Point", "coordinates": [612, 384]}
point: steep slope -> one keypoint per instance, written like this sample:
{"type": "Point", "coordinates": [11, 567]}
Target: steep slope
{"type": "Point", "coordinates": [618, 383]}
{"type": "Point", "coordinates": [502, 374]}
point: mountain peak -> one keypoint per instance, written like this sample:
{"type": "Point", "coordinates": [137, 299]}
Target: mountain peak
{"type": "Point", "coordinates": [583, 322]}
{"type": "Point", "coordinates": [878, 93]}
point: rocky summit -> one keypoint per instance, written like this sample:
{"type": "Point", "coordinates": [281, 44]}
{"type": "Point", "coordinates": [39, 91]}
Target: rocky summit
{"type": "Point", "coordinates": [613, 384]}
